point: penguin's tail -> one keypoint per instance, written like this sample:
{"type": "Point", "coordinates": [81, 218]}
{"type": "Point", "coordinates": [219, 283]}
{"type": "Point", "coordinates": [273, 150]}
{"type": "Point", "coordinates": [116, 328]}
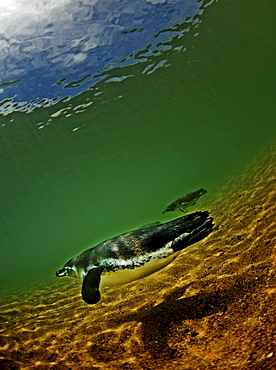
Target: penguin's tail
{"type": "Point", "coordinates": [191, 229]}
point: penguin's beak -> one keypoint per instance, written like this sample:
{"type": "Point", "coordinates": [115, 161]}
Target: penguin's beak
{"type": "Point", "coordinates": [66, 271]}
{"type": "Point", "coordinates": [62, 272]}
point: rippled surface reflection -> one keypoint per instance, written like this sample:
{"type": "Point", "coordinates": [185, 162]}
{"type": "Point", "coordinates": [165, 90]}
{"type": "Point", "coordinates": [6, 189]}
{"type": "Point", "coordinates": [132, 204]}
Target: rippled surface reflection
{"type": "Point", "coordinates": [56, 49]}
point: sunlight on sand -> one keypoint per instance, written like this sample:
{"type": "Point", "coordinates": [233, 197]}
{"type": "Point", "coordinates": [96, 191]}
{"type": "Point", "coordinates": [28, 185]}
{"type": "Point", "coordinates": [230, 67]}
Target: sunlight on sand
{"type": "Point", "coordinates": [215, 306]}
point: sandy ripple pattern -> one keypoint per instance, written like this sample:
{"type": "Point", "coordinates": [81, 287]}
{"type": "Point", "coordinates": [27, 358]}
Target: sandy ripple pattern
{"type": "Point", "coordinates": [214, 307]}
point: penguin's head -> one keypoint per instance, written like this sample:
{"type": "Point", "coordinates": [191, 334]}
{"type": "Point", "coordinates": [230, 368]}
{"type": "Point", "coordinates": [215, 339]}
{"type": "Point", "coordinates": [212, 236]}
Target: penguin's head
{"type": "Point", "coordinates": [67, 270]}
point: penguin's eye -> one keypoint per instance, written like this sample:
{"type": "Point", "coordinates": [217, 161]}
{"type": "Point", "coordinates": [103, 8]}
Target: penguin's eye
{"type": "Point", "coordinates": [69, 271]}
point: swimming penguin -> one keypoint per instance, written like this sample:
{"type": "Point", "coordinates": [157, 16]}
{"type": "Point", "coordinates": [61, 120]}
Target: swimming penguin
{"type": "Point", "coordinates": [188, 200]}
{"type": "Point", "coordinates": [135, 254]}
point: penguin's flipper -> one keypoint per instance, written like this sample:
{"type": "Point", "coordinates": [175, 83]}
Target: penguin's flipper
{"type": "Point", "coordinates": [183, 209]}
{"type": "Point", "coordinates": [90, 286]}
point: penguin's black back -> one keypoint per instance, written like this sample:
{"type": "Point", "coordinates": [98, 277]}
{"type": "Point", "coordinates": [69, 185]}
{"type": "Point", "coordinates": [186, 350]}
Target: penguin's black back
{"type": "Point", "coordinates": [178, 233]}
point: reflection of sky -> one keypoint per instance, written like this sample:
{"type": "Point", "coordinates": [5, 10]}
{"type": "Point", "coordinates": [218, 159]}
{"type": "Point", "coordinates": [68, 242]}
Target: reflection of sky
{"type": "Point", "coordinates": [42, 43]}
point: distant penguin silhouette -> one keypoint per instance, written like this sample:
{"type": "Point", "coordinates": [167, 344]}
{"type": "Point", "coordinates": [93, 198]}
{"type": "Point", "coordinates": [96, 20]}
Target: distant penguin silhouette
{"type": "Point", "coordinates": [188, 200]}
{"type": "Point", "coordinates": [135, 254]}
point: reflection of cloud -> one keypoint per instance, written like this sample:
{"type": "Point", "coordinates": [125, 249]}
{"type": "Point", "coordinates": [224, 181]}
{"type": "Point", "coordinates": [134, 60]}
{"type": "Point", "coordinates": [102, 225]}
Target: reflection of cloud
{"type": "Point", "coordinates": [156, 1]}
{"type": "Point", "coordinates": [7, 7]}
{"type": "Point", "coordinates": [13, 10]}
{"type": "Point", "coordinates": [32, 27]}
{"type": "Point", "coordinates": [43, 42]}
{"type": "Point", "coordinates": [72, 59]}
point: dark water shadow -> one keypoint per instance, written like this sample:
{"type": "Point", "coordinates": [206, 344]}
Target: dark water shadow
{"type": "Point", "coordinates": [159, 321]}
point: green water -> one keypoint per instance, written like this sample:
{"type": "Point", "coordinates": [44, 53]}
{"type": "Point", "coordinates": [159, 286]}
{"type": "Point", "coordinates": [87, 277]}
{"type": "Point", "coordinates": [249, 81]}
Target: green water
{"type": "Point", "coordinates": [141, 144]}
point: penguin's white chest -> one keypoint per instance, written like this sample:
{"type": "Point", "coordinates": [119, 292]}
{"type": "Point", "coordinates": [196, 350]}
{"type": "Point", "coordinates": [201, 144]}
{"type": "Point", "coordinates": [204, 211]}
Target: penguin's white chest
{"type": "Point", "coordinates": [126, 275]}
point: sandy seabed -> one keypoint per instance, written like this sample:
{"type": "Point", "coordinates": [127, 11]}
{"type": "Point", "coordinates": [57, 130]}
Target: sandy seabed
{"type": "Point", "coordinates": [213, 308]}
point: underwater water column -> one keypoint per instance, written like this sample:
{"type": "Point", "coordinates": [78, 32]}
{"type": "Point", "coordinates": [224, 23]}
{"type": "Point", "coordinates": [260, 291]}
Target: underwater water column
{"type": "Point", "coordinates": [109, 112]}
